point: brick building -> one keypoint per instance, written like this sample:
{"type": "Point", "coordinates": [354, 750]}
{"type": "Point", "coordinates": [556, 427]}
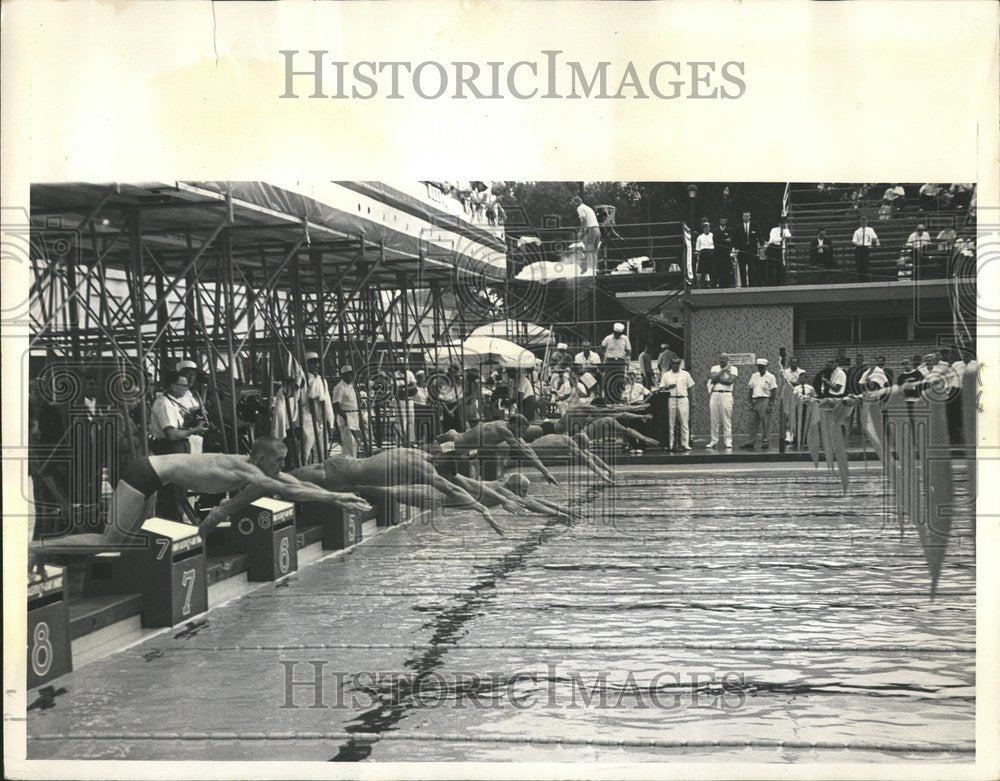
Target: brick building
{"type": "Point", "coordinates": [812, 322]}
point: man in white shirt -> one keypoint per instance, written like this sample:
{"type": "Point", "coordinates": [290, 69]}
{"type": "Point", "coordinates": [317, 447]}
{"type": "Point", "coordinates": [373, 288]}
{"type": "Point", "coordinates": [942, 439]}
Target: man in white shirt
{"type": "Point", "coordinates": [635, 391]}
{"type": "Point", "coordinates": [617, 352]}
{"type": "Point", "coordinates": [720, 401]}
{"type": "Point", "coordinates": [838, 381]}
{"type": "Point", "coordinates": [874, 378]}
{"type": "Point", "coordinates": [317, 411]}
{"type": "Point", "coordinates": [864, 239]}
{"type": "Point", "coordinates": [587, 358]}
{"type": "Point", "coordinates": [802, 412]}
{"type": "Point", "coordinates": [791, 373]}
{"type": "Point", "coordinates": [704, 248]}
{"type": "Point", "coordinates": [761, 386]}
{"type": "Point", "coordinates": [589, 233]}
{"type": "Point", "coordinates": [678, 383]}
{"type": "Point", "coordinates": [344, 401]}
{"type": "Point", "coordinates": [917, 243]}
{"type": "Point", "coordinates": [776, 253]}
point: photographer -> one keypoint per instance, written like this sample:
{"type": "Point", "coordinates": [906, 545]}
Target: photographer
{"type": "Point", "coordinates": [173, 427]}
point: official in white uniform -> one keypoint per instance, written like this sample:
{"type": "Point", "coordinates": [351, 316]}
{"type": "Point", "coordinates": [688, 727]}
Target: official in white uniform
{"type": "Point", "coordinates": [678, 383]}
{"type": "Point", "coordinates": [317, 411]}
{"type": "Point", "coordinates": [344, 400]}
{"type": "Point", "coordinates": [720, 401]}
{"type": "Point", "coordinates": [762, 387]}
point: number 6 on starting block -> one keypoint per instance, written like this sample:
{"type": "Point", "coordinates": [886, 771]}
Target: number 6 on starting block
{"type": "Point", "coordinates": [266, 532]}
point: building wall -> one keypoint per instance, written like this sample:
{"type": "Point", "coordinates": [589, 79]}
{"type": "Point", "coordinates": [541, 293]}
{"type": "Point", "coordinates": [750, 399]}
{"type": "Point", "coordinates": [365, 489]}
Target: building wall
{"type": "Point", "coordinates": [761, 330]}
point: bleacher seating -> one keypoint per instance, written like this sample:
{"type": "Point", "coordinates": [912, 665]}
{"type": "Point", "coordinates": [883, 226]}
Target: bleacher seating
{"type": "Point", "coordinates": [838, 211]}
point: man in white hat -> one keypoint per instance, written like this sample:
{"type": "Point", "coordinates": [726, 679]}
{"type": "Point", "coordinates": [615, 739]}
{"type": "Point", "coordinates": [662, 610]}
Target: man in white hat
{"type": "Point", "coordinates": [344, 401]}
{"type": "Point", "coordinates": [560, 358]}
{"type": "Point", "coordinates": [617, 352]}
{"type": "Point", "coordinates": [762, 387]}
{"type": "Point", "coordinates": [317, 410]}
{"type": "Point", "coordinates": [677, 382]}
{"type": "Point", "coordinates": [192, 401]}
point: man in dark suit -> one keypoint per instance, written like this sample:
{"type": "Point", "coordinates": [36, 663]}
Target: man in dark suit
{"type": "Point", "coordinates": [722, 275]}
{"type": "Point", "coordinates": [746, 239]}
{"type": "Point", "coordinates": [821, 252]}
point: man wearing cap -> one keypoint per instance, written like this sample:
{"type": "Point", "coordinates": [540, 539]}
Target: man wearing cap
{"type": "Point", "coordinates": [762, 386]}
{"type": "Point", "coordinates": [720, 402]}
{"type": "Point", "coordinates": [317, 410]}
{"type": "Point", "coordinates": [192, 401]}
{"type": "Point", "coordinates": [663, 360]}
{"type": "Point", "coordinates": [560, 357]}
{"type": "Point", "coordinates": [677, 382]}
{"type": "Point", "coordinates": [617, 352]}
{"type": "Point", "coordinates": [344, 401]}
{"type": "Point", "coordinates": [587, 358]}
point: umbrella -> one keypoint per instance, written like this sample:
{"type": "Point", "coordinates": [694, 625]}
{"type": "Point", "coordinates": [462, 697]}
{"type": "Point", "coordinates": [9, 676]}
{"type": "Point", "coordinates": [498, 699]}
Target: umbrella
{"type": "Point", "coordinates": [534, 335]}
{"type": "Point", "coordinates": [480, 350]}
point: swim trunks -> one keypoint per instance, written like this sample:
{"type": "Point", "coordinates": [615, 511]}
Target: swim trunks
{"type": "Point", "coordinates": [338, 472]}
{"type": "Point", "coordinates": [141, 476]}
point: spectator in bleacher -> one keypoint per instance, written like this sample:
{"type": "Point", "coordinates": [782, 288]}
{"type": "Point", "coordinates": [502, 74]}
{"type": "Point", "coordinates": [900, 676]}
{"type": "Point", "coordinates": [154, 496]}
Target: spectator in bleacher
{"type": "Point", "coordinates": [589, 233]}
{"type": "Point", "coordinates": [722, 276]}
{"type": "Point", "coordinates": [864, 239]}
{"type": "Point", "coordinates": [884, 212]}
{"type": "Point", "coordinates": [894, 195]}
{"type": "Point", "coordinates": [929, 196]}
{"type": "Point", "coordinates": [776, 253]}
{"type": "Point", "coordinates": [705, 248]}
{"type": "Point", "coordinates": [961, 195]}
{"type": "Point", "coordinates": [821, 251]}
{"type": "Point", "coordinates": [635, 391]}
{"type": "Point", "coordinates": [747, 242]}
{"type": "Point", "coordinates": [946, 239]}
{"type": "Point", "coordinates": [917, 244]}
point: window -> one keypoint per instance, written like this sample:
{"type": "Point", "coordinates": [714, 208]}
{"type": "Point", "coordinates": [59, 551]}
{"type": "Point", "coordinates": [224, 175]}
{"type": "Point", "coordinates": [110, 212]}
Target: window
{"type": "Point", "coordinates": [883, 329]}
{"type": "Point", "coordinates": [833, 330]}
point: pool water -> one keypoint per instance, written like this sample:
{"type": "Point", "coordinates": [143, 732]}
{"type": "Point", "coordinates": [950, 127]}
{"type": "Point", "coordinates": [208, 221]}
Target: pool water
{"type": "Point", "coordinates": [694, 615]}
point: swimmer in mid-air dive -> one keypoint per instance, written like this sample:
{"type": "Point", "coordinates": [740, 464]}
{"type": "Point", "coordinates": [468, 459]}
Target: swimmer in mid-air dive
{"type": "Point", "coordinates": [558, 448]}
{"type": "Point", "coordinates": [511, 493]}
{"type": "Point", "coordinates": [258, 474]}
{"type": "Point", "coordinates": [496, 439]}
{"type": "Point", "coordinates": [389, 473]}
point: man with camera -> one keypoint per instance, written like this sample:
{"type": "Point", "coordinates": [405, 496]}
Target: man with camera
{"type": "Point", "coordinates": [174, 429]}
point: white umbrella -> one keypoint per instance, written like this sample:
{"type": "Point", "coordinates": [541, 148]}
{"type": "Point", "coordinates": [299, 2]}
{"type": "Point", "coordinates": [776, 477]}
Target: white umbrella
{"type": "Point", "coordinates": [484, 350]}
{"type": "Point", "coordinates": [523, 333]}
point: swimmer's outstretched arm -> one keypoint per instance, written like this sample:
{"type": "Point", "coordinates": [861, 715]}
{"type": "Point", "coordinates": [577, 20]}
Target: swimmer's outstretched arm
{"type": "Point", "coordinates": [461, 495]}
{"type": "Point", "coordinates": [492, 495]}
{"type": "Point", "coordinates": [520, 446]}
{"type": "Point", "coordinates": [590, 460]}
{"type": "Point", "coordinates": [285, 486]}
{"type": "Point", "coordinates": [600, 462]}
{"type": "Point", "coordinates": [540, 506]}
{"type": "Point", "coordinates": [619, 428]}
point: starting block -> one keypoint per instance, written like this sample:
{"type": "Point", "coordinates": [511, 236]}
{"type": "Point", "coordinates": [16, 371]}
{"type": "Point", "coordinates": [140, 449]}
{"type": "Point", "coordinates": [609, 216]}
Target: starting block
{"type": "Point", "coordinates": [266, 532]}
{"type": "Point", "coordinates": [340, 530]}
{"type": "Point", "coordinates": [49, 654]}
{"type": "Point", "coordinates": [167, 566]}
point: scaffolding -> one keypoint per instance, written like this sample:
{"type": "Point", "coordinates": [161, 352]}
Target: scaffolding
{"type": "Point", "coordinates": [130, 279]}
